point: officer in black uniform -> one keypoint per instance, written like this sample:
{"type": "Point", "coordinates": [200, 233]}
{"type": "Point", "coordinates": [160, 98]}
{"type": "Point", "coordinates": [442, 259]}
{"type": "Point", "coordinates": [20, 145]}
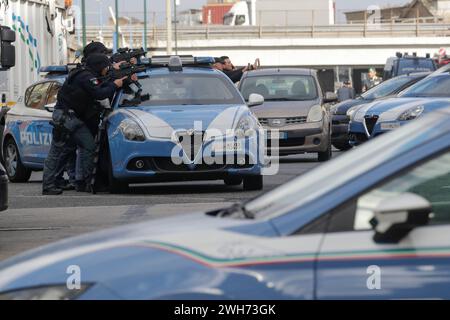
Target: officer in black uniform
{"type": "Point", "coordinates": [76, 107]}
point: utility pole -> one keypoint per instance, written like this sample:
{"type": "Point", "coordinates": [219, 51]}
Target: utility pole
{"type": "Point", "coordinates": [175, 3]}
{"type": "Point", "coordinates": [117, 26]}
{"type": "Point", "coordinates": [83, 21]}
{"type": "Point", "coordinates": [168, 27]}
{"type": "Point", "coordinates": [145, 25]}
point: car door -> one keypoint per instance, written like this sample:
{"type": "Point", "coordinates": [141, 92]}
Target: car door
{"type": "Point", "coordinates": [352, 265]}
{"type": "Point", "coordinates": [35, 135]}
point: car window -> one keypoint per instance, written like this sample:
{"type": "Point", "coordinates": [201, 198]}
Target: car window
{"type": "Point", "coordinates": [386, 88]}
{"type": "Point", "coordinates": [187, 89]}
{"type": "Point", "coordinates": [280, 87]}
{"type": "Point", "coordinates": [38, 96]}
{"type": "Point", "coordinates": [406, 66]}
{"type": "Point", "coordinates": [430, 180]}
{"type": "Point", "coordinates": [53, 93]}
{"type": "Point", "coordinates": [435, 86]}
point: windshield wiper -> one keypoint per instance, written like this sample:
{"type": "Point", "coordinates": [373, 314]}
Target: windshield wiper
{"type": "Point", "coordinates": [236, 209]}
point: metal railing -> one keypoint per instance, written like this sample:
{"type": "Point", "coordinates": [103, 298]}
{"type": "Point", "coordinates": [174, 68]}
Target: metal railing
{"type": "Point", "coordinates": [257, 32]}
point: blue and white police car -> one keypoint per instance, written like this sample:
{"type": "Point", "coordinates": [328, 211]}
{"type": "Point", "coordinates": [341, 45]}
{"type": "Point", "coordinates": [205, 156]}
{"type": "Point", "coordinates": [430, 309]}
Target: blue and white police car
{"type": "Point", "coordinates": [193, 125]}
{"type": "Point", "coordinates": [373, 119]}
{"type": "Point", "coordinates": [28, 134]}
{"type": "Point", "coordinates": [373, 223]}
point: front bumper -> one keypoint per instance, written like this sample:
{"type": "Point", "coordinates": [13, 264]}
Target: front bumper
{"type": "Point", "coordinates": [158, 163]}
{"type": "Point", "coordinates": [339, 129]}
{"type": "Point", "coordinates": [301, 138]}
{"type": "Point", "coordinates": [3, 193]}
{"type": "Point", "coordinates": [360, 132]}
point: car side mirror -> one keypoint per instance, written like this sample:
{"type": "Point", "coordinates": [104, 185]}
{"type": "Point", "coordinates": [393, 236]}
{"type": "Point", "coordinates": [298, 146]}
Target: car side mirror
{"type": "Point", "coordinates": [50, 107]}
{"type": "Point", "coordinates": [255, 100]}
{"type": "Point", "coordinates": [330, 97]}
{"type": "Point", "coordinates": [395, 218]}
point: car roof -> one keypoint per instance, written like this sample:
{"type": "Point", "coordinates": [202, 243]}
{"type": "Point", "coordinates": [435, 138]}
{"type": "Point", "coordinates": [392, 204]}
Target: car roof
{"type": "Point", "coordinates": [281, 71]}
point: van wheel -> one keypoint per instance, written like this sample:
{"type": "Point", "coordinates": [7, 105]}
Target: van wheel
{"type": "Point", "coordinates": [253, 183]}
{"type": "Point", "coordinates": [15, 169]}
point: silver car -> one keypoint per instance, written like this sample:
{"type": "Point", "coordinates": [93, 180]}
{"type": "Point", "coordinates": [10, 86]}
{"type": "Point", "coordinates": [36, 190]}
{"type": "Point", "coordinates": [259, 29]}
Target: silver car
{"type": "Point", "coordinates": [294, 104]}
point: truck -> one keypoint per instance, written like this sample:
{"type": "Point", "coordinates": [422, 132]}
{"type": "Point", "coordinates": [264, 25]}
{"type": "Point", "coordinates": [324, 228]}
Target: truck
{"type": "Point", "coordinates": [42, 29]}
{"type": "Point", "coordinates": [281, 13]}
{"type": "Point", "coordinates": [405, 64]}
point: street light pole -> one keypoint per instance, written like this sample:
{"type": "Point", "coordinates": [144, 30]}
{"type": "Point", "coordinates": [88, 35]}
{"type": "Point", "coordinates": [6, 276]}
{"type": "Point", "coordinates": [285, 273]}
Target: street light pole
{"type": "Point", "coordinates": [83, 19]}
{"type": "Point", "coordinates": [169, 27]}
{"type": "Point", "coordinates": [145, 25]}
{"type": "Point", "coordinates": [175, 21]}
{"type": "Point", "coordinates": [117, 26]}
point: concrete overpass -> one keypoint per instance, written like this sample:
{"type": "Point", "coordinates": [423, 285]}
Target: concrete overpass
{"type": "Point", "coordinates": [316, 46]}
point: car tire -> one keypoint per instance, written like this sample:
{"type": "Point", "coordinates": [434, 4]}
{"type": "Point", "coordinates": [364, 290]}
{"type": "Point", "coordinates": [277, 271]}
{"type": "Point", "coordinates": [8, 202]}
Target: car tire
{"type": "Point", "coordinates": [342, 146]}
{"type": "Point", "coordinates": [15, 169]}
{"type": "Point", "coordinates": [253, 183]}
{"type": "Point", "coordinates": [327, 154]}
{"type": "Point", "coordinates": [233, 181]}
{"type": "Point", "coordinates": [115, 186]}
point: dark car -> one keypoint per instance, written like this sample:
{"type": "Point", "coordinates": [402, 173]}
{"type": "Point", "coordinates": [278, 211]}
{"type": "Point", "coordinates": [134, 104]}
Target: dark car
{"type": "Point", "coordinates": [3, 189]}
{"type": "Point", "coordinates": [404, 64]}
{"type": "Point", "coordinates": [340, 119]}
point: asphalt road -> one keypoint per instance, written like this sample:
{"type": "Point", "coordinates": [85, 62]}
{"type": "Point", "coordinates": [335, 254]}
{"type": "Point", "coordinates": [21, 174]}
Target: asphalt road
{"type": "Point", "coordinates": [33, 220]}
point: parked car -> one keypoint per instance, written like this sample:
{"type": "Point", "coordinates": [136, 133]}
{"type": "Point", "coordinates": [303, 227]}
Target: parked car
{"type": "Point", "coordinates": [383, 206]}
{"type": "Point", "coordinates": [3, 189]}
{"type": "Point", "coordinates": [294, 104]}
{"type": "Point", "coordinates": [404, 64]}
{"type": "Point", "coordinates": [373, 119]}
{"type": "Point", "coordinates": [389, 88]}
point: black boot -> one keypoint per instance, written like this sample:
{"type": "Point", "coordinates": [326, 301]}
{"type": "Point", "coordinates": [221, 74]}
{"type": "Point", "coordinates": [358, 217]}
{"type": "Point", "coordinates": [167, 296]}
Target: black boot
{"type": "Point", "coordinates": [52, 191]}
{"type": "Point", "coordinates": [82, 186]}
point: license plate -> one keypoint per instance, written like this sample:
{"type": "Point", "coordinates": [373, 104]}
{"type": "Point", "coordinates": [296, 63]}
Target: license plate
{"type": "Point", "coordinates": [273, 135]}
{"type": "Point", "coordinates": [232, 146]}
{"type": "Point", "coordinates": [390, 126]}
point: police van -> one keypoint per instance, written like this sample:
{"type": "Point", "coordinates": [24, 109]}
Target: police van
{"type": "Point", "coordinates": [403, 64]}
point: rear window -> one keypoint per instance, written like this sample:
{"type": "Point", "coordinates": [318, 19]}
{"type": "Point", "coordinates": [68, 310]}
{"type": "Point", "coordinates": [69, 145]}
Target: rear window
{"type": "Point", "coordinates": [406, 66]}
{"type": "Point", "coordinates": [187, 89]}
{"type": "Point", "coordinates": [281, 87]}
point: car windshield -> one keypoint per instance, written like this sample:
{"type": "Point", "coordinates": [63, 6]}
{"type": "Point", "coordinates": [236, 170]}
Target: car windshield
{"type": "Point", "coordinates": [386, 88]}
{"type": "Point", "coordinates": [185, 89]}
{"type": "Point", "coordinates": [317, 183]}
{"type": "Point", "coordinates": [280, 87]}
{"type": "Point", "coordinates": [437, 86]}
{"type": "Point", "coordinates": [406, 66]}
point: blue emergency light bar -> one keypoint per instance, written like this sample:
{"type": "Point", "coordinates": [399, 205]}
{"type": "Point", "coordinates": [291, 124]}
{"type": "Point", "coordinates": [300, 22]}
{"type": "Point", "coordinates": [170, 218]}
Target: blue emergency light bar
{"type": "Point", "coordinates": [54, 69]}
{"type": "Point", "coordinates": [177, 62]}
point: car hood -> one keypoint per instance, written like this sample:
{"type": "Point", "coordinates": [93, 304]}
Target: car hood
{"type": "Point", "coordinates": [342, 107]}
{"type": "Point", "coordinates": [206, 236]}
{"type": "Point", "coordinates": [163, 121]}
{"type": "Point", "coordinates": [392, 108]}
{"type": "Point", "coordinates": [284, 109]}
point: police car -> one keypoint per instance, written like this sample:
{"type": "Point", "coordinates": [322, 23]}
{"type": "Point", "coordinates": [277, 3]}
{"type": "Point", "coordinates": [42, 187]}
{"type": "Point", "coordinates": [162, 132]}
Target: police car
{"type": "Point", "coordinates": [373, 119]}
{"type": "Point", "coordinates": [194, 125]}
{"type": "Point", "coordinates": [373, 223]}
{"type": "Point", "coordinates": [28, 133]}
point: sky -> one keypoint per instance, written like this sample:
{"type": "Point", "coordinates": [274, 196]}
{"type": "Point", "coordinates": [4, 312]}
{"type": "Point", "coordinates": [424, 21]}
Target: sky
{"type": "Point", "coordinates": [135, 7]}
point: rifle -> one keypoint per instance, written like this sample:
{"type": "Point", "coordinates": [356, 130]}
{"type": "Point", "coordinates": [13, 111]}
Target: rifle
{"type": "Point", "coordinates": [125, 54]}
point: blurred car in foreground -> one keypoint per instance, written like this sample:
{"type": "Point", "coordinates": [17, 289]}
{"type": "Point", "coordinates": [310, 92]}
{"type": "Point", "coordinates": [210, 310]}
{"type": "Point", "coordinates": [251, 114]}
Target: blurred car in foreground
{"type": "Point", "coordinates": [383, 206]}
{"type": "Point", "coordinates": [294, 104]}
{"type": "Point", "coordinates": [340, 118]}
{"type": "Point", "coordinates": [373, 119]}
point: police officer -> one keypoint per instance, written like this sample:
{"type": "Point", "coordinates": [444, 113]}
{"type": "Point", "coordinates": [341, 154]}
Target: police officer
{"type": "Point", "coordinates": [76, 106]}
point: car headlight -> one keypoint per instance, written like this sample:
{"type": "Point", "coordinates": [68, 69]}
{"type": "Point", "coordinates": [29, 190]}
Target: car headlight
{"type": "Point", "coordinates": [351, 112]}
{"type": "Point", "coordinates": [315, 114]}
{"type": "Point", "coordinates": [246, 126]}
{"type": "Point", "coordinates": [131, 130]}
{"type": "Point", "coordinates": [53, 292]}
{"type": "Point", "coordinates": [411, 114]}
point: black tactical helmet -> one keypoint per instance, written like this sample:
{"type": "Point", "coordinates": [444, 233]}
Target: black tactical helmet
{"type": "Point", "coordinates": [97, 62]}
{"type": "Point", "coordinates": [95, 47]}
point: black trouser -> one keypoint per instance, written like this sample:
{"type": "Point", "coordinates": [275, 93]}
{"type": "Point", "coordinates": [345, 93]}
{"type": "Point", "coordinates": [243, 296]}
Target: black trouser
{"type": "Point", "coordinates": [69, 134]}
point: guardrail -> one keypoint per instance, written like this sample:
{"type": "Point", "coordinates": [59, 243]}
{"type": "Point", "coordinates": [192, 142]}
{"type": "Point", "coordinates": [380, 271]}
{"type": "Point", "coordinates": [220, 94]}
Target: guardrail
{"type": "Point", "coordinates": [255, 32]}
